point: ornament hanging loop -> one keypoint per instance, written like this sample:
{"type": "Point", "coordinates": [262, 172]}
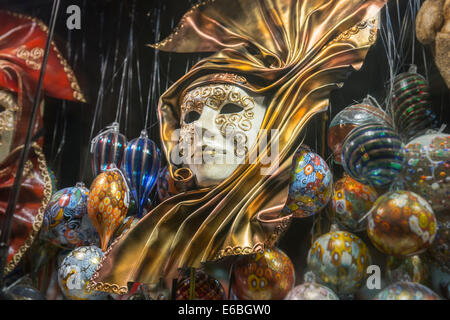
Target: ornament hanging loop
{"type": "Point", "coordinates": [113, 127]}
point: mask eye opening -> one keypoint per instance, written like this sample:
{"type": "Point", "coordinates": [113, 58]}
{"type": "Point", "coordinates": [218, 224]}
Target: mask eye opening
{"type": "Point", "coordinates": [191, 116]}
{"type": "Point", "coordinates": [231, 108]}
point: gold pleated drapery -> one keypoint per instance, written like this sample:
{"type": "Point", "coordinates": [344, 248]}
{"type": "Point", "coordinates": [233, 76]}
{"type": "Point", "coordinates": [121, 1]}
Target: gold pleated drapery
{"type": "Point", "coordinates": [294, 53]}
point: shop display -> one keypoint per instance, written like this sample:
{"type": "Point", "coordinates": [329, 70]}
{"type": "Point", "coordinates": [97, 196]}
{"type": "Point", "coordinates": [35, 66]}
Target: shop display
{"type": "Point", "coordinates": [339, 259]}
{"type": "Point", "coordinates": [310, 184]}
{"type": "Point", "coordinates": [401, 223]}
{"type": "Point", "coordinates": [351, 200]}
{"type": "Point", "coordinates": [254, 144]}
{"type": "Point", "coordinates": [226, 98]}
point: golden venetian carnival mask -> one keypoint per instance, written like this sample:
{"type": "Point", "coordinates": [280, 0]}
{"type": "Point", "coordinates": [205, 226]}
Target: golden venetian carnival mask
{"type": "Point", "coordinates": [219, 123]}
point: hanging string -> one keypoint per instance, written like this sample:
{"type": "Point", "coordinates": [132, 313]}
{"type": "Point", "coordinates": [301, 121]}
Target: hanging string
{"type": "Point", "coordinates": [60, 118]}
{"type": "Point", "coordinates": [152, 87]}
{"type": "Point", "coordinates": [121, 92]}
{"type": "Point", "coordinates": [83, 43]}
{"type": "Point", "coordinates": [415, 6]}
{"type": "Point", "coordinates": [104, 60]}
{"type": "Point", "coordinates": [139, 80]}
{"type": "Point", "coordinates": [385, 36]}
{"type": "Point", "coordinates": [117, 68]}
{"type": "Point", "coordinates": [116, 50]}
{"type": "Point", "coordinates": [156, 83]}
{"type": "Point", "coordinates": [98, 104]}
{"type": "Point", "coordinates": [397, 46]}
{"type": "Point", "coordinates": [130, 67]}
{"type": "Point", "coordinates": [63, 139]}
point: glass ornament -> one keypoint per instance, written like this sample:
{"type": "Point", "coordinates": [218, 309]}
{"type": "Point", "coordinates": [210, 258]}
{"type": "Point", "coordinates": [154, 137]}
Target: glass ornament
{"type": "Point", "coordinates": [427, 169]}
{"type": "Point", "coordinates": [339, 260]}
{"type": "Point", "coordinates": [349, 118]}
{"type": "Point", "coordinates": [66, 223]}
{"type": "Point", "coordinates": [411, 104]}
{"type": "Point", "coordinates": [350, 202]}
{"type": "Point", "coordinates": [205, 287]}
{"type": "Point", "coordinates": [107, 148]}
{"type": "Point", "coordinates": [401, 223]}
{"type": "Point", "coordinates": [311, 184]}
{"type": "Point", "coordinates": [75, 272]}
{"type": "Point", "coordinates": [108, 203]}
{"type": "Point", "coordinates": [263, 276]}
{"type": "Point", "coordinates": [141, 166]}
{"type": "Point", "coordinates": [372, 155]}
{"type": "Point", "coordinates": [407, 291]}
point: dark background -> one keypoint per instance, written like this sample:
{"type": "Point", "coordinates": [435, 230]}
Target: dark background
{"type": "Point", "coordinates": [105, 32]}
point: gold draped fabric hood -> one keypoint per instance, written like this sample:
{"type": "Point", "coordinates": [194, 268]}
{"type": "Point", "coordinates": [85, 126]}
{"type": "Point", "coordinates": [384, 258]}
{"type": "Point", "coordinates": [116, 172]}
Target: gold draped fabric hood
{"type": "Point", "coordinates": [294, 53]}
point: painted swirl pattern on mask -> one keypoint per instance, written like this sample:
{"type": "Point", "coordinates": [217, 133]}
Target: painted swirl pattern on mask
{"type": "Point", "coordinates": [230, 124]}
{"type": "Point", "coordinates": [216, 96]}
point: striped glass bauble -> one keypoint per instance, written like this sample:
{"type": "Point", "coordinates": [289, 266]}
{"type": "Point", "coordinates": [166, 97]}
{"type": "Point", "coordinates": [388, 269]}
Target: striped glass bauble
{"type": "Point", "coordinates": [349, 118]}
{"type": "Point", "coordinates": [411, 104]}
{"type": "Point", "coordinates": [141, 166]}
{"type": "Point", "coordinates": [107, 148]}
{"type": "Point", "coordinates": [372, 155]}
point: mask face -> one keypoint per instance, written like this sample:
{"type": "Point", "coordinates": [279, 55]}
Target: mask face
{"type": "Point", "coordinates": [8, 117]}
{"type": "Point", "coordinates": [219, 124]}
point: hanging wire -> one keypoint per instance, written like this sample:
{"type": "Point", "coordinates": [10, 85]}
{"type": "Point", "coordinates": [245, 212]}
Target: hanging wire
{"type": "Point", "coordinates": [139, 81]}
{"type": "Point", "coordinates": [121, 92]}
{"type": "Point", "coordinates": [63, 139]}
{"type": "Point", "coordinates": [130, 66]}
{"type": "Point", "coordinates": [116, 50]}
{"type": "Point", "coordinates": [124, 67]}
{"type": "Point", "coordinates": [98, 104]}
{"type": "Point", "coordinates": [152, 86]}
{"type": "Point", "coordinates": [397, 45]}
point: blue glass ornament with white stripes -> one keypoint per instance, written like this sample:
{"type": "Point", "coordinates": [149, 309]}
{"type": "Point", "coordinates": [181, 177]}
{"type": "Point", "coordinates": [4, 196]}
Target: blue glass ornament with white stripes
{"type": "Point", "coordinates": [107, 148]}
{"type": "Point", "coordinates": [141, 165]}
